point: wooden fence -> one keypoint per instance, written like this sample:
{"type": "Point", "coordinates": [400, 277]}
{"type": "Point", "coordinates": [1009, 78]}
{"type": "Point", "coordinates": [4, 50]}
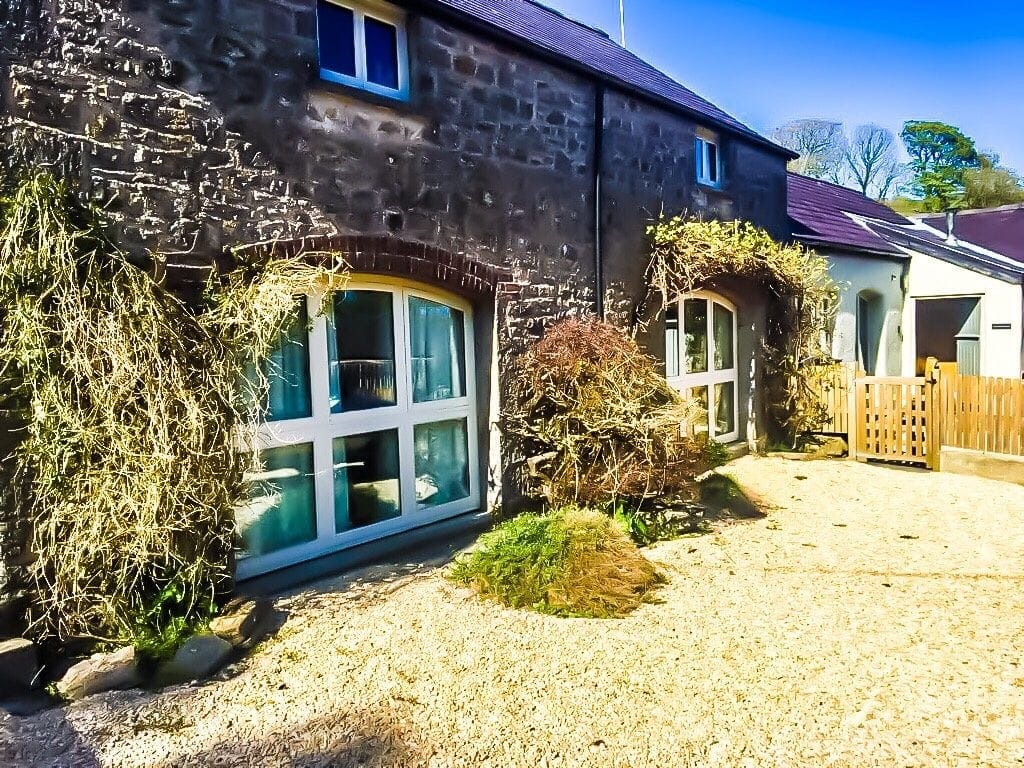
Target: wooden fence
{"type": "Point", "coordinates": [834, 388]}
{"type": "Point", "coordinates": [910, 419]}
{"type": "Point", "coordinates": [983, 414]}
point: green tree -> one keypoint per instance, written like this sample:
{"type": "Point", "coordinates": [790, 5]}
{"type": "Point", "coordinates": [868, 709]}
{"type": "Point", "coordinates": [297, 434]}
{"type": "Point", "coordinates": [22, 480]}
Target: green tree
{"type": "Point", "coordinates": [991, 185]}
{"type": "Point", "coordinates": [940, 154]}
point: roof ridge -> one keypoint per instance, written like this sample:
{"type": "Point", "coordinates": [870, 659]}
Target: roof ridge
{"type": "Point", "coordinates": [593, 52]}
{"type": "Point", "coordinates": [834, 184]}
{"type": "Point", "coordinates": [972, 211]}
{"type": "Point", "coordinates": [567, 17]}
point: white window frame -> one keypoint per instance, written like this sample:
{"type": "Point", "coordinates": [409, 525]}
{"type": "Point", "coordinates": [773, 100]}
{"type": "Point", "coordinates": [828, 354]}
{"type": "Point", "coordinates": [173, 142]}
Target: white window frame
{"type": "Point", "coordinates": [323, 427]}
{"type": "Point", "coordinates": [703, 160]}
{"type": "Point", "coordinates": [388, 14]}
{"type": "Point", "coordinates": [684, 382]}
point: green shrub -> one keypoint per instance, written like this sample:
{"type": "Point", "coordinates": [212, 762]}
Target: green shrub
{"type": "Point", "coordinates": [570, 562]}
{"type": "Point", "coordinates": [161, 627]}
{"type": "Point", "coordinates": [649, 526]}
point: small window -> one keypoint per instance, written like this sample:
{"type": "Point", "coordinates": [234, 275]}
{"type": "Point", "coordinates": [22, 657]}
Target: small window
{"type": "Point", "coordinates": [709, 164]}
{"type": "Point", "coordinates": [363, 45]}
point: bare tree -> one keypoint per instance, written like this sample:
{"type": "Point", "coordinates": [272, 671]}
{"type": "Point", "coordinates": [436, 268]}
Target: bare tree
{"type": "Point", "coordinates": [872, 161]}
{"type": "Point", "coordinates": [821, 144]}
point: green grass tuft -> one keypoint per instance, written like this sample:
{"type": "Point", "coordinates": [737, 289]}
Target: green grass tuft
{"type": "Point", "coordinates": [570, 562]}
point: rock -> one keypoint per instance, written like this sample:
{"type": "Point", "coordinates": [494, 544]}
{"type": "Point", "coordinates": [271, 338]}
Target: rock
{"type": "Point", "coordinates": [198, 657]}
{"type": "Point", "coordinates": [101, 672]}
{"type": "Point", "coordinates": [245, 625]}
{"type": "Point", "coordinates": [833, 448]}
{"type": "Point", "coordinates": [18, 667]}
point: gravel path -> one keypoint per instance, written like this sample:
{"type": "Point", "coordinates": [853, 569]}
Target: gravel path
{"type": "Point", "coordinates": [872, 619]}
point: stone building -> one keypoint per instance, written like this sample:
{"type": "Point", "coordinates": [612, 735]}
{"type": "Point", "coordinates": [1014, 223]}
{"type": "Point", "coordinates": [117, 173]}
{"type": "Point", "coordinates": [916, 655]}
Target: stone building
{"type": "Point", "coordinates": [486, 166]}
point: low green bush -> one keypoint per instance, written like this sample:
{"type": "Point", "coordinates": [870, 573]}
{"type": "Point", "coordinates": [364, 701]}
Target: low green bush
{"type": "Point", "coordinates": [158, 630]}
{"type": "Point", "coordinates": [569, 562]}
{"type": "Point", "coordinates": [650, 525]}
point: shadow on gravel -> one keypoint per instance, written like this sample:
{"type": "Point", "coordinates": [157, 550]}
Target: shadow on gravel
{"type": "Point", "coordinates": [45, 740]}
{"type": "Point", "coordinates": [725, 500]}
{"type": "Point", "coordinates": [331, 741]}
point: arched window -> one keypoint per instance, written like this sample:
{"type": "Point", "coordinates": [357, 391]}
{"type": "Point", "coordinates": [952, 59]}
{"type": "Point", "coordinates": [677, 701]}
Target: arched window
{"type": "Point", "coordinates": [701, 360]}
{"type": "Point", "coordinates": [371, 426]}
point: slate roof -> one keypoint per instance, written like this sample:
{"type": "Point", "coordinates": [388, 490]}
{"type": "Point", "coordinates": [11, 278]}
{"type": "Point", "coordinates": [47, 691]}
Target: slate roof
{"type": "Point", "coordinates": [592, 50]}
{"type": "Point", "coordinates": [827, 214]}
{"type": "Point", "coordinates": [820, 214]}
{"type": "Point", "coordinates": [997, 229]}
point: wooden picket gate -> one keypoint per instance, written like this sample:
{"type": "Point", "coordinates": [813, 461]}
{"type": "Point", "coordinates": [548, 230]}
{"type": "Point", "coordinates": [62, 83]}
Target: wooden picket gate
{"type": "Point", "coordinates": [897, 419]}
{"type": "Point", "coordinates": [884, 418]}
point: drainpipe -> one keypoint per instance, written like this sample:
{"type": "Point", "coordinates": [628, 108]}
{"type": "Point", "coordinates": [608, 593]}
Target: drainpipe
{"type": "Point", "coordinates": [598, 163]}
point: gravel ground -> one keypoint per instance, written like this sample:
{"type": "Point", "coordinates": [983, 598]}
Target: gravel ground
{"type": "Point", "coordinates": [872, 619]}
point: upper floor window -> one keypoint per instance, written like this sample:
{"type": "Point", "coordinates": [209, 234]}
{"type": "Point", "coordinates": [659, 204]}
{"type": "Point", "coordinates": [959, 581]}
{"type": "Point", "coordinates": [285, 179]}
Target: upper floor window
{"type": "Point", "coordinates": [709, 161]}
{"type": "Point", "coordinates": [363, 45]}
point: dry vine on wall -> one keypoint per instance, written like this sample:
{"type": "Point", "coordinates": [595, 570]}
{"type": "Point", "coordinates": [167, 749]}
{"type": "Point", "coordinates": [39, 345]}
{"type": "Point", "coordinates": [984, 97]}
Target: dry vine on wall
{"type": "Point", "coordinates": [689, 254]}
{"type": "Point", "coordinates": [131, 405]}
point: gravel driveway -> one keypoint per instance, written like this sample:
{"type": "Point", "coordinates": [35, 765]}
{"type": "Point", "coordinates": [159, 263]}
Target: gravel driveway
{"type": "Point", "coordinates": [872, 619]}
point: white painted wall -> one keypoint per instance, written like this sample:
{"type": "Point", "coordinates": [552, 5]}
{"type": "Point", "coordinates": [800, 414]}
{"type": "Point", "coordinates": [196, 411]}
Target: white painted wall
{"type": "Point", "coordinates": [1000, 303]}
{"type": "Point", "coordinates": [883, 276]}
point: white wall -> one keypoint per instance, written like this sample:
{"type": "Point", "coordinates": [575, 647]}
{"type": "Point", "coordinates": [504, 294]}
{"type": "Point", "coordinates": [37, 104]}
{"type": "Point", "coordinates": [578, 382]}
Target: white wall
{"type": "Point", "coordinates": [854, 274]}
{"type": "Point", "coordinates": [1000, 303]}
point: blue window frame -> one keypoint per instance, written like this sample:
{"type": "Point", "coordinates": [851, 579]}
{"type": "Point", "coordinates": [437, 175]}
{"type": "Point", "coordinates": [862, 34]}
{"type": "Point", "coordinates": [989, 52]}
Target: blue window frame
{"type": "Point", "coordinates": [362, 44]}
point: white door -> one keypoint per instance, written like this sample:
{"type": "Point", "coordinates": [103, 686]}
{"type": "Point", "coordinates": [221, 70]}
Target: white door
{"type": "Point", "coordinates": [371, 427]}
{"type": "Point", "coordinates": [701, 360]}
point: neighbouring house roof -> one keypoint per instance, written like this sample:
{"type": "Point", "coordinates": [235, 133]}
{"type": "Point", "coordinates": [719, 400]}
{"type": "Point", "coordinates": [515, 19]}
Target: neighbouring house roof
{"type": "Point", "coordinates": [996, 229]}
{"type": "Point", "coordinates": [821, 215]}
{"type": "Point", "coordinates": [919, 237]}
{"type": "Point", "coordinates": [826, 214]}
{"type": "Point", "coordinates": [590, 49]}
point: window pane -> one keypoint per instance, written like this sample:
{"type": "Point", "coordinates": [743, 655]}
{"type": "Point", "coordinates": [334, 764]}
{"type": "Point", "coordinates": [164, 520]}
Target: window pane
{"type": "Point", "coordinates": [281, 510]}
{"type": "Point", "coordinates": [381, 53]}
{"type": "Point", "coordinates": [672, 341]}
{"type": "Point", "coordinates": [367, 488]}
{"type": "Point", "coordinates": [695, 327]}
{"type": "Point", "coordinates": [442, 462]}
{"type": "Point", "coordinates": [700, 395]}
{"type": "Point", "coordinates": [725, 408]}
{"type": "Point", "coordinates": [437, 351]}
{"type": "Point", "coordinates": [287, 370]}
{"type": "Point", "coordinates": [361, 347]}
{"type": "Point", "coordinates": [712, 162]}
{"type": "Point", "coordinates": [336, 37]}
{"type": "Point", "coordinates": [723, 339]}
{"type": "Point", "coordinates": [700, 160]}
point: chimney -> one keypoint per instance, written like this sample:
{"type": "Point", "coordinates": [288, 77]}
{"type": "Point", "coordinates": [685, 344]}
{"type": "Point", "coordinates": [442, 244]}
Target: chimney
{"type": "Point", "coordinates": [950, 224]}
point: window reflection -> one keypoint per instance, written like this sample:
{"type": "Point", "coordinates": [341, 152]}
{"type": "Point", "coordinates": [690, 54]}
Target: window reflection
{"type": "Point", "coordinates": [442, 462]}
{"type": "Point", "coordinates": [361, 346]}
{"type": "Point", "coordinates": [723, 322]}
{"type": "Point", "coordinates": [695, 327]}
{"type": "Point", "coordinates": [367, 486]}
{"type": "Point", "coordinates": [281, 510]}
{"type": "Point", "coordinates": [437, 350]}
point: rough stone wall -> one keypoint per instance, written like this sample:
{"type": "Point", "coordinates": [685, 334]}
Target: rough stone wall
{"type": "Point", "coordinates": [203, 124]}
{"type": "Point", "coordinates": [650, 170]}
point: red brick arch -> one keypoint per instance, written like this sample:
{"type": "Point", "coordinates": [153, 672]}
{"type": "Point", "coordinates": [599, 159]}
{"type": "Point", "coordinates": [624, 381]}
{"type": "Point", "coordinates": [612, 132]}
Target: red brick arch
{"type": "Point", "coordinates": [382, 255]}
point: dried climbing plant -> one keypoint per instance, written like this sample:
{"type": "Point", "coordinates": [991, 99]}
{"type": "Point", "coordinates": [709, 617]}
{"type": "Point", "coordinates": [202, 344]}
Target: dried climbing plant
{"type": "Point", "coordinates": [596, 422]}
{"type": "Point", "coordinates": [689, 254]}
{"type": "Point", "coordinates": [130, 404]}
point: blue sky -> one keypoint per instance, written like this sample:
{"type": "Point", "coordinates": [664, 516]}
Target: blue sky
{"type": "Point", "coordinates": [869, 61]}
